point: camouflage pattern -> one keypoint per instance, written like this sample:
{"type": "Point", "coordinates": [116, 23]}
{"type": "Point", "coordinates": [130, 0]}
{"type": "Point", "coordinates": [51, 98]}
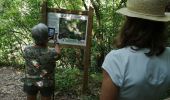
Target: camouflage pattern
{"type": "Point", "coordinates": [40, 65]}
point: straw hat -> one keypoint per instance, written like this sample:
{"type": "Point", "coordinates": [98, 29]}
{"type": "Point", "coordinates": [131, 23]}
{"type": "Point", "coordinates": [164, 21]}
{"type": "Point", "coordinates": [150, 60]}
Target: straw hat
{"type": "Point", "coordinates": [146, 9]}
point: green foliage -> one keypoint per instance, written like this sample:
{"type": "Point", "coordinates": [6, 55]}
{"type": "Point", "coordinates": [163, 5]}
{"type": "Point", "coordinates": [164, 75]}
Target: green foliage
{"type": "Point", "coordinates": [106, 26]}
{"type": "Point", "coordinates": [67, 79]}
{"type": "Point", "coordinates": [66, 4]}
{"type": "Point", "coordinates": [19, 16]}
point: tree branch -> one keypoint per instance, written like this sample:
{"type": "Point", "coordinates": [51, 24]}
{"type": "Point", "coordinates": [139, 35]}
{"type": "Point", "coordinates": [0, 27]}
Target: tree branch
{"type": "Point", "coordinates": [97, 11]}
{"type": "Point", "coordinates": [85, 6]}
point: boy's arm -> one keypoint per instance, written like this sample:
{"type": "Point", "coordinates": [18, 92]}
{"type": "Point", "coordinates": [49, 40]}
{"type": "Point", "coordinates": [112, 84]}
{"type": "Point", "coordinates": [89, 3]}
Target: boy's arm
{"type": "Point", "coordinates": [57, 48]}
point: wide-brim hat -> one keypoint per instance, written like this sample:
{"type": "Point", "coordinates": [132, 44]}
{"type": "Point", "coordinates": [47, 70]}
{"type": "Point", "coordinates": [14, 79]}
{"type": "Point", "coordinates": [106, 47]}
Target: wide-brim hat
{"type": "Point", "coordinates": [146, 9]}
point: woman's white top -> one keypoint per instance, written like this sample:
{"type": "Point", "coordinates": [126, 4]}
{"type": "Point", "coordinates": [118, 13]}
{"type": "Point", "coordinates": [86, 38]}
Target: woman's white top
{"type": "Point", "coordinates": [139, 77]}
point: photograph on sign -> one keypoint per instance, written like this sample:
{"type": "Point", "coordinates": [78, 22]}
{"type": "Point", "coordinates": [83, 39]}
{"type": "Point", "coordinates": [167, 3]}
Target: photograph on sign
{"type": "Point", "coordinates": [71, 29]}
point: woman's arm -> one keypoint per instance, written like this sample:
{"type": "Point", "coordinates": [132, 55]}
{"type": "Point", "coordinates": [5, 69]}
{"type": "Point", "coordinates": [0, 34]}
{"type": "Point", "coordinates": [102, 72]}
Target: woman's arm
{"type": "Point", "coordinates": [109, 90]}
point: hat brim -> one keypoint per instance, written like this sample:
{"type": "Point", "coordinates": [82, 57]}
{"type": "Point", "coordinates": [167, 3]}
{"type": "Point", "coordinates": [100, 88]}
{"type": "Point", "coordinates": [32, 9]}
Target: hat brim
{"type": "Point", "coordinates": [127, 12]}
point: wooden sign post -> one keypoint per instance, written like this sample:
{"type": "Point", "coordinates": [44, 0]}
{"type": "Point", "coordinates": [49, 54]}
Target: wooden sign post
{"type": "Point", "coordinates": [73, 29]}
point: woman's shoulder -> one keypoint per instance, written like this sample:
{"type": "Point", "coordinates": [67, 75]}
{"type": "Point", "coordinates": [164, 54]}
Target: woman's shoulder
{"type": "Point", "coordinates": [119, 51]}
{"type": "Point", "coordinates": [28, 48]}
{"type": "Point", "coordinates": [118, 54]}
{"type": "Point", "coordinates": [167, 50]}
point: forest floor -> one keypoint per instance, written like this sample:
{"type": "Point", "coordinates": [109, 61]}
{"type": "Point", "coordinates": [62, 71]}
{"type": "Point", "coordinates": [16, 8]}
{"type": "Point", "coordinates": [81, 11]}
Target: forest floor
{"type": "Point", "coordinates": [11, 87]}
{"type": "Point", "coordinates": [10, 84]}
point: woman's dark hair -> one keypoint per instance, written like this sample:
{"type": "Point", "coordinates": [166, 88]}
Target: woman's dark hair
{"type": "Point", "coordinates": [143, 33]}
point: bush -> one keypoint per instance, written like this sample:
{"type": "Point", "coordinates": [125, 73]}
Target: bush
{"type": "Point", "coordinates": [67, 79]}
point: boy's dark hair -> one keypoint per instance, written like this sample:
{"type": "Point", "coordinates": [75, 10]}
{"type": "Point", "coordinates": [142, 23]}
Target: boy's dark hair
{"type": "Point", "coordinates": [143, 34]}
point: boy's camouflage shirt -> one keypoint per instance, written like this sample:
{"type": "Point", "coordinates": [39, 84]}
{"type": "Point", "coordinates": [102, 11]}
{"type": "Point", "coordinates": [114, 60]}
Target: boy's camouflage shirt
{"type": "Point", "coordinates": [40, 65]}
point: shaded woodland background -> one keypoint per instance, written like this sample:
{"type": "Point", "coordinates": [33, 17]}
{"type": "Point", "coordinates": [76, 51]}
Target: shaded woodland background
{"type": "Point", "coordinates": [17, 17]}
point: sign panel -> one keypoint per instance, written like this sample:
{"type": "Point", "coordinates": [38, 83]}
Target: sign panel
{"type": "Point", "coordinates": [70, 29]}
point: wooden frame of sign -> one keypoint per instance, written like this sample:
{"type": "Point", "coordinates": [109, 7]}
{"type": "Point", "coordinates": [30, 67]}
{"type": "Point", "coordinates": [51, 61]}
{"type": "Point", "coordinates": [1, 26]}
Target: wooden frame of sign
{"type": "Point", "coordinates": [88, 19]}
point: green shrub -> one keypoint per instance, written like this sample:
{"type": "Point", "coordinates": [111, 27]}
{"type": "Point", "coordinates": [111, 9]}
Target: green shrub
{"type": "Point", "coordinates": [67, 79]}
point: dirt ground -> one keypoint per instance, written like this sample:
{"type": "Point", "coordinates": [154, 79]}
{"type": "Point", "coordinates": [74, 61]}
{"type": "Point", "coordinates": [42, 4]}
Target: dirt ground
{"type": "Point", "coordinates": [11, 86]}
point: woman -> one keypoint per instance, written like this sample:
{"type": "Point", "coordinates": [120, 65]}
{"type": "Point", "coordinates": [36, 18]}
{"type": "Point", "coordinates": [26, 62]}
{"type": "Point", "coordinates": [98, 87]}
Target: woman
{"type": "Point", "coordinates": [139, 68]}
{"type": "Point", "coordinates": [40, 65]}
